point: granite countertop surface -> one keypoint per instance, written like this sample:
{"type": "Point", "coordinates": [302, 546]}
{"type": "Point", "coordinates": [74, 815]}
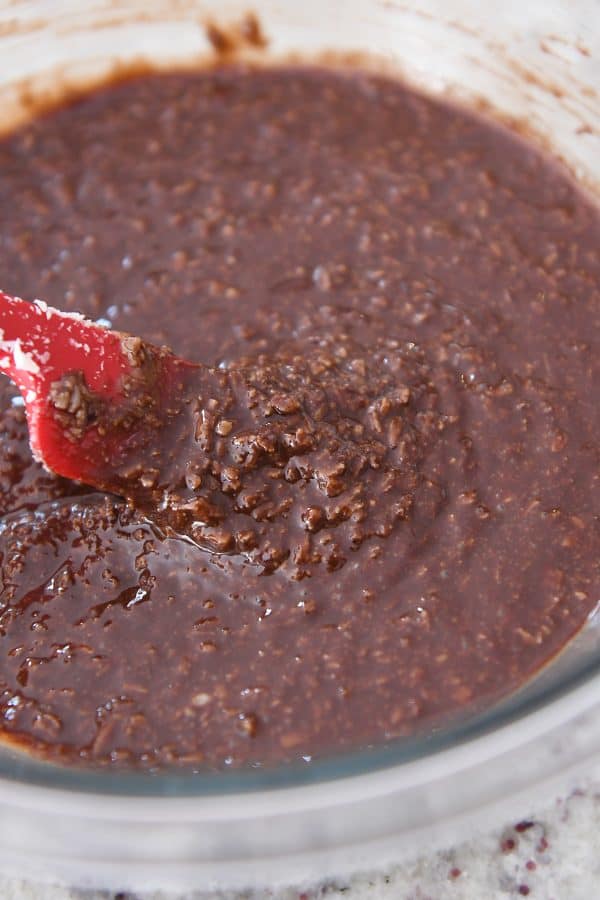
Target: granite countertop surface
{"type": "Point", "coordinates": [552, 854]}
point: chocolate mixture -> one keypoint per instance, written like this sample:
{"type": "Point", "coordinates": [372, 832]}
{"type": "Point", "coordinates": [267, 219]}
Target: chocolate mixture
{"type": "Point", "coordinates": [257, 457]}
{"type": "Point", "coordinates": [389, 507]}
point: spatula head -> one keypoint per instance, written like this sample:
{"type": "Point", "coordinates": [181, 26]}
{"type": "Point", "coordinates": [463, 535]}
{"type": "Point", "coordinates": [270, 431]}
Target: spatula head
{"type": "Point", "coordinates": [93, 396]}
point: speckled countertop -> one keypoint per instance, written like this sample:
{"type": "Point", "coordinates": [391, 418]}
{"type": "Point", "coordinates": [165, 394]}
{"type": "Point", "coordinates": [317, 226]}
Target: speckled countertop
{"type": "Point", "coordinates": [552, 854]}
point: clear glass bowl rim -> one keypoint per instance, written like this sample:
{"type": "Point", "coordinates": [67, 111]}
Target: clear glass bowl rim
{"type": "Point", "coordinates": [20, 767]}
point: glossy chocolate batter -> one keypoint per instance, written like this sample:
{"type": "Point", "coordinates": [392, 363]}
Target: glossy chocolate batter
{"type": "Point", "coordinates": [404, 302]}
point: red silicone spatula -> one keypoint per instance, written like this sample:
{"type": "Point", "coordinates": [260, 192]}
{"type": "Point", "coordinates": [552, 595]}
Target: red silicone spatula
{"type": "Point", "coordinates": [97, 401]}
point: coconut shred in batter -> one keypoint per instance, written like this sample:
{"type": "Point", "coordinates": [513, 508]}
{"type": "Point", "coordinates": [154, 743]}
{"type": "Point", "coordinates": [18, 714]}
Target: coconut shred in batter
{"type": "Point", "coordinates": [389, 508]}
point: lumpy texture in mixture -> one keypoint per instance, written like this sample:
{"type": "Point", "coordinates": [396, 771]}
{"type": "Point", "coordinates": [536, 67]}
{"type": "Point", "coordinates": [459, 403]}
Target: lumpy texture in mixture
{"type": "Point", "coordinates": [404, 302]}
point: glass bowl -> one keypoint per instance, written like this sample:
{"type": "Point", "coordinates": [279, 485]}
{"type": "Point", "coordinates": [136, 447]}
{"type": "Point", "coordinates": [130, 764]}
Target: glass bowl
{"type": "Point", "coordinates": [537, 66]}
